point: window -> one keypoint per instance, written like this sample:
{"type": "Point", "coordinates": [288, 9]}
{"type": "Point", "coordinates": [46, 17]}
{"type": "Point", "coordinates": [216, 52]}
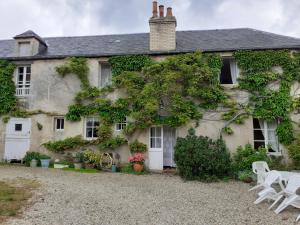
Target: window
{"type": "Point", "coordinates": [105, 75]}
{"type": "Point", "coordinates": [59, 124]}
{"type": "Point", "coordinates": [91, 127]}
{"type": "Point", "coordinates": [265, 135]}
{"type": "Point", "coordinates": [23, 80]}
{"type": "Point", "coordinates": [121, 125]}
{"type": "Point", "coordinates": [18, 127]}
{"type": "Point", "coordinates": [155, 137]}
{"type": "Point", "coordinates": [229, 71]}
{"type": "Point", "coordinates": [24, 49]}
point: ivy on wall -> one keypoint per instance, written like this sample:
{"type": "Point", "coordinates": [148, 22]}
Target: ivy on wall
{"type": "Point", "coordinates": [8, 101]}
{"type": "Point", "coordinates": [257, 73]}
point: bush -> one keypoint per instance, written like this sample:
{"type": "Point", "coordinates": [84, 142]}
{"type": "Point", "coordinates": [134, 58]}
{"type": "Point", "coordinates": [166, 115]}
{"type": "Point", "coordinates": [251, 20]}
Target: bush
{"type": "Point", "coordinates": [244, 157]}
{"type": "Point", "coordinates": [137, 146]}
{"type": "Point", "coordinates": [294, 152]}
{"type": "Point", "coordinates": [202, 158]}
{"type": "Point", "coordinates": [30, 156]}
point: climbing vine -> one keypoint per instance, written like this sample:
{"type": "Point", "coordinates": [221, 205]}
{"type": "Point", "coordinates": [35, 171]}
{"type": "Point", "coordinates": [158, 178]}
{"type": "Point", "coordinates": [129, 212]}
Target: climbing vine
{"type": "Point", "coordinates": [8, 101]}
{"type": "Point", "coordinates": [257, 76]}
{"type": "Point", "coordinates": [77, 66]}
{"type": "Point", "coordinates": [180, 88]}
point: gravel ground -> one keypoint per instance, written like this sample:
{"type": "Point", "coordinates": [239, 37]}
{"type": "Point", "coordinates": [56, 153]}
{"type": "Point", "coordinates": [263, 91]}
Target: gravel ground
{"type": "Point", "coordinates": [66, 198]}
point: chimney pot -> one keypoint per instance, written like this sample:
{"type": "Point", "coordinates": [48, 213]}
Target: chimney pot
{"type": "Point", "coordinates": [169, 12]}
{"type": "Point", "coordinates": [154, 9]}
{"type": "Point", "coordinates": [161, 11]}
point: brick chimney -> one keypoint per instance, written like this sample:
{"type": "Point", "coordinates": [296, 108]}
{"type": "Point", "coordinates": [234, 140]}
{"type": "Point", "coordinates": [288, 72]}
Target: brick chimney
{"type": "Point", "coordinates": [162, 29]}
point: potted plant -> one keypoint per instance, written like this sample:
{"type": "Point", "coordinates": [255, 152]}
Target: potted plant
{"type": "Point", "coordinates": [45, 161]}
{"type": "Point", "coordinates": [137, 161]}
{"type": "Point", "coordinates": [78, 160]}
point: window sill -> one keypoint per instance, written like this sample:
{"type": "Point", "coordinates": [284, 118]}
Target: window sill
{"type": "Point", "coordinates": [230, 86]}
{"type": "Point", "coordinates": [274, 153]}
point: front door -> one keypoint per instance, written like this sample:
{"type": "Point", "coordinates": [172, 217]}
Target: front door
{"type": "Point", "coordinates": [168, 146]}
{"type": "Point", "coordinates": [17, 138]}
{"type": "Point", "coordinates": [156, 148]}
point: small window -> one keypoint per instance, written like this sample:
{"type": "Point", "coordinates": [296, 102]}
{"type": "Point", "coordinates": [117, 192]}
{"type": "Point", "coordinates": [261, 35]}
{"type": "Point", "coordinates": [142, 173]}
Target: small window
{"type": "Point", "coordinates": [91, 127]}
{"type": "Point", "coordinates": [155, 137]}
{"type": "Point", "coordinates": [24, 49]}
{"type": "Point", "coordinates": [59, 124]}
{"type": "Point", "coordinates": [229, 71]}
{"type": "Point", "coordinates": [265, 135]}
{"type": "Point", "coordinates": [121, 125]}
{"type": "Point", "coordinates": [105, 75]}
{"type": "Point", "coordinates": [18, 127]}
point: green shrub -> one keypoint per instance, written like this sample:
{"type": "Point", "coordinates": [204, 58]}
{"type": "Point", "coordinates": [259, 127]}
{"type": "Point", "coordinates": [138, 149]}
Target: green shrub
{"type": "Point", "coordinates": [294, 152]}
{"type": "Point", "coordinates": [137, 146]}
{"type": "Point", "coordinates": [245, 176]}
{"type": "Point", "coordinates": [202, 158]}
{"type": "Point", "coordinates": [244, 157]}
{"type": "Point", "coordinates": [66, 144]}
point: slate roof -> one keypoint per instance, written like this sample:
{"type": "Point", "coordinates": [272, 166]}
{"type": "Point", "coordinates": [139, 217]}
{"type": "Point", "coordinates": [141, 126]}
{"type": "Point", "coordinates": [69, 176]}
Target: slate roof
{"type": "Point", "coordinates": [187, 41]}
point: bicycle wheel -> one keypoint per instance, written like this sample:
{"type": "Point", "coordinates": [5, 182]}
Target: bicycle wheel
{"type": "Point", "coordinates": [106, 161]}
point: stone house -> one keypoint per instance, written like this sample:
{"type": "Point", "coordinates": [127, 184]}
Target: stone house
{"type": "Point", "coordinates": [40, 88]}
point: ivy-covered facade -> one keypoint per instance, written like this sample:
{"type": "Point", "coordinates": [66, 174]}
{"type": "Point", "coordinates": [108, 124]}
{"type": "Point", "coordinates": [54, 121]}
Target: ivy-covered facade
{"type": "Point", "coordinates": [117, 91]}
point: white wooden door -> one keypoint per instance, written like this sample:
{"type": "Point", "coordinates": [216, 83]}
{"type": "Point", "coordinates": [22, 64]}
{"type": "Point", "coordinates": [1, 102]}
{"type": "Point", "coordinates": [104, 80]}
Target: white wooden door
{"type": "Point", "coordinates": [169, 141]}
{"type": "Point", "coordinates": [156, 148]}
{"type": "Point", "coordinates": [17, 138]}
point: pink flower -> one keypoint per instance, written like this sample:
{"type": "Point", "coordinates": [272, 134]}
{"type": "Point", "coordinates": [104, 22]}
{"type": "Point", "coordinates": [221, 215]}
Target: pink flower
{"type": "Point", "coordinates": [137, 158]}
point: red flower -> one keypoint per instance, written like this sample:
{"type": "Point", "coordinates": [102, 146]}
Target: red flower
{"type": "Point", "coordinates": [137, 158]}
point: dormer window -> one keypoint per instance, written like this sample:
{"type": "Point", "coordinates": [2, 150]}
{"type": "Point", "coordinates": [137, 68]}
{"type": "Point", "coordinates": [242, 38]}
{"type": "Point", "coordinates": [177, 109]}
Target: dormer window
{"type": "Point", "coordinates": [24, 48]}
{"type": "Point", "coordinates": [229, 71]}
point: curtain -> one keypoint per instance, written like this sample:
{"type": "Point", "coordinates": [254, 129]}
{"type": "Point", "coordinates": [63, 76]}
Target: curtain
{"type": "Point", "coordinates": [234, 71]}
{"type": "Point", "coordinates": [272, 137]}
{"type": "Point", "coordinates": [262, 127]}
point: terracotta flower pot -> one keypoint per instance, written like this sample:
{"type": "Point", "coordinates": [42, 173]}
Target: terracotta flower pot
{"type": "Point", "coordinates": [138, 167]}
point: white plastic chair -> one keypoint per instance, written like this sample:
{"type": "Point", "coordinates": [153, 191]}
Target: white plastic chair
{"type": "Point", "coordinates": [292, 199]}
{"type": "Point", "coordinates": [298, 218]}
{"type": "Point", "coordinates": [260, 168]}
{"type": "Point", "coordinates": [269, 192]}
{"type": "Point", "coordinates": [273, 177]}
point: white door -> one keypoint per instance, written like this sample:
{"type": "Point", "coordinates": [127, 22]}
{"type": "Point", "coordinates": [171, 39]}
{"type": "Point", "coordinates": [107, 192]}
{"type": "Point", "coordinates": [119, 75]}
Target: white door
{"type": "Point", "coordinates": [169, 142]}
{"type": "Point", "coordinates": [17, 138]}
{"type": "Point", "coordinates": [156, 148]}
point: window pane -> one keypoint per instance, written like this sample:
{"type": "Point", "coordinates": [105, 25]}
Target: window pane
{"type": "Point", "coordinates": [258, 135]}
{"type": "Point", "coordinates": [89, 132]}
{"type": "Point", "coordinates": [158, 132]}
{"type": "Point", "coordinates": [152, 132]}
{"type": "Point", "coordinates": [62, 124]}
{"type": "Point", "coordinates": [105, 75]}
{"type": "Point", "coordinates": [28, 69]}
{"type": "Point", "coordinates": [152, 143]}
{"type": "Point", "coordinates": [18, 127]}
{"type": "Point", "coordinates": [95, 132]}
{"type": "Point", "coordinates": [256, 124]}
{"type": "Point", "coordinates": [158, 142]}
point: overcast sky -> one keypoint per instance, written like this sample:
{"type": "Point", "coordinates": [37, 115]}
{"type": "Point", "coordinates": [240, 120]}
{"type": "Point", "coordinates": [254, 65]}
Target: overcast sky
{"type": "Point", "coordinates": [93, 17]}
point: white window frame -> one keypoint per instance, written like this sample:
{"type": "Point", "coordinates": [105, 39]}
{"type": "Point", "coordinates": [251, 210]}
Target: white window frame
{"type": "Point", "coordinates": [55, 124]}
{"type": "Point", "coordinates": [266, 138]}
{"type": "Point", "coordinates": [121, 125]}
{"type": "Point", "coordinates": [100, 75]}
{"type": "Point", "coordinates": [22, 85]}
{"type": "Point", "coordinates": [155, 137]}
{"type": "Point", "coordinates": [236, 68]}
{"type": "Point", "coordinates": [94, 119]}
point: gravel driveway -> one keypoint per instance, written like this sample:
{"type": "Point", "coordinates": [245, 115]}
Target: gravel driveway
{"type": "Point", "coordinates": [109, 199]}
